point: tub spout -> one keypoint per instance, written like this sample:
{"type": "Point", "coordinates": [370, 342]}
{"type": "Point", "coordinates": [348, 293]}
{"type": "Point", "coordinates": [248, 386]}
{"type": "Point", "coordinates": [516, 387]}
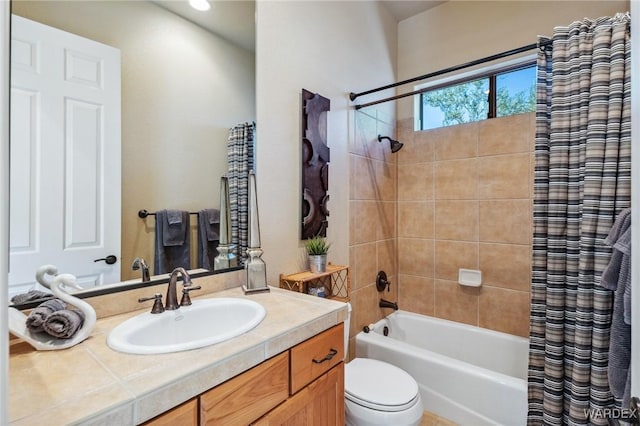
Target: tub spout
{"type": "Point", "coordinates": [387, 304]}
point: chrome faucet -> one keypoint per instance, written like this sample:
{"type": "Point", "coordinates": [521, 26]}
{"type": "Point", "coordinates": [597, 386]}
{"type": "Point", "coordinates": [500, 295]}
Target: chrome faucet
{"type": "Point", "coordinates": [387, 304]}
{"type": "Point", "coordinates": [140, 263]}
{"type": "Point", "coordinates": [171, 301]}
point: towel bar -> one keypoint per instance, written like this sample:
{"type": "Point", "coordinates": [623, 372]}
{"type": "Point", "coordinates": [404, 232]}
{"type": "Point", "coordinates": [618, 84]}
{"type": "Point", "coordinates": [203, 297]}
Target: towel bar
{"type": "Point", "coordinates": [144, 213]}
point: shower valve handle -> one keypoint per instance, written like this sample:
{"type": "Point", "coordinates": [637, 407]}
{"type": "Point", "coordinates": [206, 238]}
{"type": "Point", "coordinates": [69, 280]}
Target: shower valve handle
{"type": "Point", "coordinates": [382, 282]}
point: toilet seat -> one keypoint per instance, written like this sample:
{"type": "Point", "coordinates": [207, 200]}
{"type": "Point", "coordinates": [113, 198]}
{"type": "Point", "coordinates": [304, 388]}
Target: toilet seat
{"type": "Point", "coordinates": [379, 386]}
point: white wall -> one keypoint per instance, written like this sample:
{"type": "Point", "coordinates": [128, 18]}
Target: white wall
{"type": "Point", "coordinates": [457, 32]}
{"type": "Point", "coordinates": [330, 48]}
{"type": "Point", "coordinates": [4, 211]}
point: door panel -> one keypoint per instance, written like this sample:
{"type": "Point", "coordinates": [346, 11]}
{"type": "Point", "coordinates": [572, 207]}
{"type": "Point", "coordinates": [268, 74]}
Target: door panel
{"type": "Point", "coordinates": [24, 179]}
{"type": "Point", "coordinates": [82, 188]}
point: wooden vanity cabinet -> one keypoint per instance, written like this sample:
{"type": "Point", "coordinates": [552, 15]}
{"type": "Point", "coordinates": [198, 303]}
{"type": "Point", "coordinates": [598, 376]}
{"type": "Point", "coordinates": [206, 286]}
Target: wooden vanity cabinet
{"type": "Point", "coordinates": [317, 383]}
{"type": "Point", "coordinates": [244, 398]}
{"type": "Point", "coordinates": [184, 414]}
{"type": "Point", "coordinates": [303, 385]}
{"type": "Point", "coordinates": [321, 403]}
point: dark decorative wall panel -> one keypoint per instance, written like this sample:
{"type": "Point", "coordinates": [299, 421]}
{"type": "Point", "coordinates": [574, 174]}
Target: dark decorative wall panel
{"type": "Point", "coordinates": [315, 167]}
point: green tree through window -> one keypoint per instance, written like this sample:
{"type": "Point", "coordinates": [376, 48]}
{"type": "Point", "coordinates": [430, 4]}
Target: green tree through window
{"type": "Point", "coordinates": [469, 101]}
{"type": "Point", "coordinates": [513, 97]}
{"type": "Point", "coordinates": [462, 103]}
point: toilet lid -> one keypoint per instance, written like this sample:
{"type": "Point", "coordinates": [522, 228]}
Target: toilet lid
{"type": "Point", "coordinates": [379, 385]}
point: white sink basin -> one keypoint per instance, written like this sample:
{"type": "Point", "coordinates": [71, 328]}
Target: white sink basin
{"type": "Point", "coordinates": [206, 322]}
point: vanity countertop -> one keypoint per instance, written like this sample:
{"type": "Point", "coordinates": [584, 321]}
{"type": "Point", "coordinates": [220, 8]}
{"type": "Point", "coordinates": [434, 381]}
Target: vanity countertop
{"type": "Point", "coordinates": [93, 384]}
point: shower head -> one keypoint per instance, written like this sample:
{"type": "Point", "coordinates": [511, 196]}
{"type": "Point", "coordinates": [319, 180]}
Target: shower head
{"type": "Point", "coordinates": [395, 145]}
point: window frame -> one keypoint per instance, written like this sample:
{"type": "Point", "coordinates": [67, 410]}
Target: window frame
{"type": "Point", "coordinates": [491, 72]}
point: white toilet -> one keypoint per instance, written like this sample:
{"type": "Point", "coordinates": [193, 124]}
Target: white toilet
{"type": "Point", "coordinates": [378, 393]}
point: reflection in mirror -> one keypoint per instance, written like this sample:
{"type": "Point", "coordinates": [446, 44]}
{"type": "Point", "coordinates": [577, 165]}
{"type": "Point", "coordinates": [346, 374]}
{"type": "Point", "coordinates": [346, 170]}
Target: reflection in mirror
{"type": "Point", "coordinates": [226, 258]}
{"type": "Point", "coordinates": [182, 88]}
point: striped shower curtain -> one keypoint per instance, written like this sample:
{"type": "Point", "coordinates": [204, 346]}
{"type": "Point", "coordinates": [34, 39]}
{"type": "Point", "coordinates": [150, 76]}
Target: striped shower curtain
{"type": "Point", "coordinates": [582, 180]}
{"type": "Point", "coordinates": [241, 161]}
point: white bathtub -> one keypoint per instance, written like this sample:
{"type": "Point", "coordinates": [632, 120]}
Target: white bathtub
{"type": "Point", "coordinates": [467, 374]}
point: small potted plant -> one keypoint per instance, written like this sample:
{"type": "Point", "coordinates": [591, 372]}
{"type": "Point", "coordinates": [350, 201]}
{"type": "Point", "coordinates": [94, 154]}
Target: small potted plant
{"type": "Point", "coordinates": [317, 248]}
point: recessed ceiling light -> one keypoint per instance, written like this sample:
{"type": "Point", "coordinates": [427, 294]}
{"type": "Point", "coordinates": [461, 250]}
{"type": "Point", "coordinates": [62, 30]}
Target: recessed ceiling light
{"type": "Point", "coordinates": [201, 5]}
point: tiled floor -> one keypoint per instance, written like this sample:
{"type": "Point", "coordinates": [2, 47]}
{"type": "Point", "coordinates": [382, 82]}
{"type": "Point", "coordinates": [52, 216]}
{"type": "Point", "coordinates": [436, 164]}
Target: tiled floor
{"type": "Point", "coordinates": [430, 419]}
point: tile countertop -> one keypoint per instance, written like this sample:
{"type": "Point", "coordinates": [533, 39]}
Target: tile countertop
{"type": "Point", "coordinates": [93, 384]}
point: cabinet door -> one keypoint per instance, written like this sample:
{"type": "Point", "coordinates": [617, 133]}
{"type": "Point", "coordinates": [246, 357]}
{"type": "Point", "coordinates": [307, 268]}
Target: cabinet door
{"type": "Point", "coordinates": [319, 404]}
{"type": "Point", "coordinates": [246, 397]}
{"type": "Point", "coordinates": [183, 415]}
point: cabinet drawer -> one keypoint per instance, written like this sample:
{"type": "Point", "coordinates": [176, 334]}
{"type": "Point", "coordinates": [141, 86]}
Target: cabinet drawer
{"type": "Point", "coordinates": [314, 357]}
{"type": "Point", "coordinates": [244, 398]}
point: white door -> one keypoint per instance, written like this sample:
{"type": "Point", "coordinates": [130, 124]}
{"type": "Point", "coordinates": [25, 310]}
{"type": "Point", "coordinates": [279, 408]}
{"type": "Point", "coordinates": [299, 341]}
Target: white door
{"type": "Point", "coordinates": [65, 156]}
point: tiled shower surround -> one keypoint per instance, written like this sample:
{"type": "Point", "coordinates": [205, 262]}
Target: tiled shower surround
{"type": "Point", "coordinates": [461, 197]}
{"type": "Point", "coordinates": [372, 216]}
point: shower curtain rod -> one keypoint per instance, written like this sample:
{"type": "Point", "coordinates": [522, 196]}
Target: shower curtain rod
{"type": "Point", "coordinates": [522, 49]}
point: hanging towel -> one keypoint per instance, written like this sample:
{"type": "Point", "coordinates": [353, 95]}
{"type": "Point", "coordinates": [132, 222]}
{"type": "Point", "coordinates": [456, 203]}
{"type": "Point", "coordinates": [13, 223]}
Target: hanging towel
{"type": "Point", "coordinates": [623, 245]}
{"type": "Point", "coordinates": [176, 227]}
{"type": "Point", "coordinates": [617, 277]}
{"type": "Point", "coordinates": [172, 247]}
{"type": "Point", "coordinates": [39, 314]}
{"type": "Point", "coordinates": [64, 324]}
{"type": "Point", "coordinates": [208, 237]}
{"type": "Point", "coordinates": [617, 274]}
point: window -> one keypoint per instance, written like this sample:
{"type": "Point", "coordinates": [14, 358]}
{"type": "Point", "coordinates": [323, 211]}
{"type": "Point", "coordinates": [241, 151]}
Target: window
{"type": "Point", "coordinates": [497, 94]}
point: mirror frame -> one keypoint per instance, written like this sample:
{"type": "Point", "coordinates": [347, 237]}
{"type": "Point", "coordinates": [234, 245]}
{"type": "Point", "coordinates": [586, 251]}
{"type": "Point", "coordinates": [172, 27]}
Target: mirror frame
{"type": "Point", "coordinates": [120, 287]}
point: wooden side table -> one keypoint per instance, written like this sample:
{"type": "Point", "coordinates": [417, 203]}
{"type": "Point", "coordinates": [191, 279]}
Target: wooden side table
{"type": "Point", "coordinates": [336, 281]}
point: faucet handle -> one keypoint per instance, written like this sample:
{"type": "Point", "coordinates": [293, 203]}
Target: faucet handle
{"type": "Point", "coordinates": [186, 299]}
{"type": "Point", "coordinates": [157, 303]}
{"type": "Point", "coordinates": [382, 282]}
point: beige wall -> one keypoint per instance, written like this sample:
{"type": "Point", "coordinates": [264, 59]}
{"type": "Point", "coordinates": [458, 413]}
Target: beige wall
{"type": "Point", "coordinates": [182, 89]}
{"type": "Point", "coordinates": [457, 32]}
{"type": "Point", "coordinates": [331, 48]}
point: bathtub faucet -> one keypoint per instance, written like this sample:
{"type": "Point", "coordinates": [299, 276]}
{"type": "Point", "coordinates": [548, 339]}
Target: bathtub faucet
{"type": "Point", "coordinates": [386, 304]}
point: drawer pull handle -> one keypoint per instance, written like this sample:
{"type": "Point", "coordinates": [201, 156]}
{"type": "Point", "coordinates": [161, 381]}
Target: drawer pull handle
{"type": "Point", "coordinates": [330, 355]}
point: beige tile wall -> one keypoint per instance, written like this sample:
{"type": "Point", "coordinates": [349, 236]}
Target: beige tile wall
{"type": "Point", "coordinates": [372, 212]}
{"type": "Point", "coordinates": [463, 201]}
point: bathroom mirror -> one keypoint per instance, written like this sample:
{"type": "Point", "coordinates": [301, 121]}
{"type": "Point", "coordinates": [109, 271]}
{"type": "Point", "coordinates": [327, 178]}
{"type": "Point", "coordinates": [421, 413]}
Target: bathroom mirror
{"type": "Point", "coordinates": [184, 82]}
